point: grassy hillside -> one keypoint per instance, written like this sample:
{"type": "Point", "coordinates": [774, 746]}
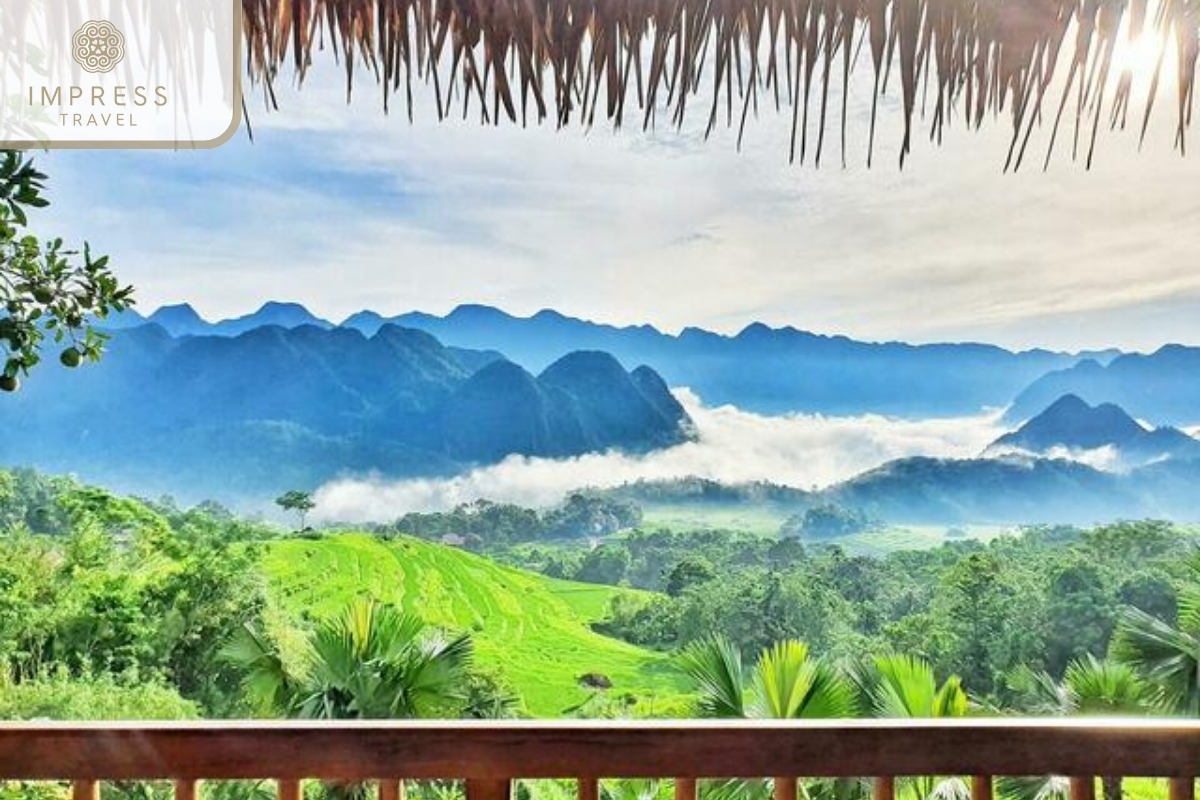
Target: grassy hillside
{"type": "Point", "coordinates": [533, 630]}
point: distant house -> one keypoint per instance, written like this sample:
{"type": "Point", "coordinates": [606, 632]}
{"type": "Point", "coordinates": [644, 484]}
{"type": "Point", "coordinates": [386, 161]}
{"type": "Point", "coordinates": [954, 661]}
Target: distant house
{"type": "Point", "coordinates": [453, 540]}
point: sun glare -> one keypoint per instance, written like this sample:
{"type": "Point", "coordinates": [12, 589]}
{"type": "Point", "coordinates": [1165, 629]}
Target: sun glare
{"type": "Point", "coordinates": [1138, 55]}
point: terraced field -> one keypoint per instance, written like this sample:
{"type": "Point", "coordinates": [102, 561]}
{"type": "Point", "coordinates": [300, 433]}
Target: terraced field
{"type": "Point", "coordinates": [532, 629]}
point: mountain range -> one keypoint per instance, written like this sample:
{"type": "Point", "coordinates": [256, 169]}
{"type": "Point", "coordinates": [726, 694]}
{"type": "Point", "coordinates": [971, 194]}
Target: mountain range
{"type": "Point", "coordinates": [275, 408]}
{"type": "Point", "coordinates": [1073, 428]}
{"type": "Point", "coordinates": [919, 490]}
{"type": "Point", "coordinates": [282, 399]}
{"type": "Point", "coordinates": [1072, 462]}
{"type": "Point", "coordinates": [1162, 387]}
{"type": "Point", "coordinates": [762, 369]}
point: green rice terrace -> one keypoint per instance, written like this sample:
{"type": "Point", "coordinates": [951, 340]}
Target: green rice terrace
{"type": "Point", "coordinates": [533, 630]}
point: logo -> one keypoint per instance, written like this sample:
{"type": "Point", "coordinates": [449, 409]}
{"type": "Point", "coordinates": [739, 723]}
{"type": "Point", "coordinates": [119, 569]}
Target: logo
{"type": "Point", "coordinates": [98, 46]}
{"type": "Point", "coordinates": [160, 75]}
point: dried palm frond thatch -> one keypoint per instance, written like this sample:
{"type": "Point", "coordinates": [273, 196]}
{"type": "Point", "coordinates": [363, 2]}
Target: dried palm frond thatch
{"type": "Point", "coordinates": [1033, 61]}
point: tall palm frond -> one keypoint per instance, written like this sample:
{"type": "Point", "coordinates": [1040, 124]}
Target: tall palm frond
{"type": "Point", "coordinates": [371, 661]}
{"type": "Point", "coordinates": [715, 666]}
{"type": "Point", "coordinates": [904, 686]}
{"type": "Point", "coordinates": [1168, 657]}
{"type": "Point", "coordinates": [269, 685]}
{"type": "Point", "coordinates": [790, 684]}
{"type": "Point", "coordinates": [1019, 788]}
{"type": "Point", "coordinates": [1089, 686]}
{"type": "Point", "coordinates": [1106, 687]}
{"type": "Point", "coordinates": [1036, 692]}
{"type": "Point", "coordinates": [430, 676]}
{"type": "Point", "coordinates": [787, 682]}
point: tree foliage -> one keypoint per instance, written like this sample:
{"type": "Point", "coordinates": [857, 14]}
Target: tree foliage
{"type": "Point", "coordinates": [46, 290]}
{"type": "Point", "coordinates": [107, 586]}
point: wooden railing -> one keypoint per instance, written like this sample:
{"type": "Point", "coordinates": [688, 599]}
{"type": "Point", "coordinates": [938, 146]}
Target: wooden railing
{"type": "Point", "coordinates": [490, 755]}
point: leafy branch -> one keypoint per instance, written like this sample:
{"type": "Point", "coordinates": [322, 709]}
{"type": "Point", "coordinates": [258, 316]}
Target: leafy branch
{"type": "Point", "coordinates": [45, 293]}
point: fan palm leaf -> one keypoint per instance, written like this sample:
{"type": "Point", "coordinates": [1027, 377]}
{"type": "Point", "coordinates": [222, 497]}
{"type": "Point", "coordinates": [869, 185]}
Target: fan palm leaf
{"type": "Point", "coordinates": [268, 684]}
{"type": "Point", "coordinates": [789, 684]}
{"type": "Point", "coordinates": [1168, 657]}
{"type": "Point", "coordinates": [371, 661]}
{"type": "Point", "coordinates": [1019, 788]}
{"type": "Point", "coordinates": [714, 665]}
{"type": "Point", "coordinates": [904, 687]}
{"type": "Point", "coordinates": [1105, 687]}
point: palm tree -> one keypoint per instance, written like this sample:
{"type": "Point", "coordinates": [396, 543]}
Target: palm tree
{"type": "Point", "coordinates": [371, 661]}
{"type": "Point", "coordinates": [1089, 686]}
{"type": "Point", "coordinates": [904, 687]}
{"type": "Point", "coordinates": [1168, 657]}
{"type": "Point", "coordinates": [786, 682]}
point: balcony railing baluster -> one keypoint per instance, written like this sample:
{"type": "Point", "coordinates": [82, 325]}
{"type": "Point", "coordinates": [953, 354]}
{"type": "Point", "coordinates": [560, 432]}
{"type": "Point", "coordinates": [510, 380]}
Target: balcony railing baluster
{"type": "Point", "coordinates": [1183, 788]}
{"type": "Point", "coordinates": [589, 789]}
{"type": "Point", "coordinates": [288, 789]}
{"type": "Point", "coordinates": [391, 789]}
{"type": "Point", "coordinates": [489, 789]}
{"type": "Point", "coordinates": [85, 790]}
{"type": "Point", "coordinates": [685, 789]}
{"type": "Point", "coordinates": [1083, 788]}
{"type": "Point", "coordinates": [981, 787]}
{"type": "Point", "coordinates": [885, 788]}
{"type": "Point", "coordinates": [187, 790]}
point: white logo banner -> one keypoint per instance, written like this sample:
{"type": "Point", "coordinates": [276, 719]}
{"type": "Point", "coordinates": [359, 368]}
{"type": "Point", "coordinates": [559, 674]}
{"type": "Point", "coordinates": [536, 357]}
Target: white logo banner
{"type": "Point", "coordinates": [119, 73]}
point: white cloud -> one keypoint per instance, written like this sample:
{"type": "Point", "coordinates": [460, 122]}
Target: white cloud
{"type": "Point", "coordinates": [1106, 459]}
{"type": "Point", "coordinates": [733, 446]}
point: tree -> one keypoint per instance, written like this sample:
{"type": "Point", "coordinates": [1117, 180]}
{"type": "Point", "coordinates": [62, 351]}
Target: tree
{"type": "Point", "coordinates": [1080, 615]}
{"type": "Point", "coordinates": [826, 521]}
{"type": "Point", "coordinates": [43, 292]}
{"type": "Point", "coordinates": [299, 502]}
{"type": "Point", "coordinates": [371, 661]}
{"type": "Point", "coordinates": [606, 564]}
{"type": "Point", "coordinates": [691, 571]}
{"type": "Point", "coordinates": [979, 604]}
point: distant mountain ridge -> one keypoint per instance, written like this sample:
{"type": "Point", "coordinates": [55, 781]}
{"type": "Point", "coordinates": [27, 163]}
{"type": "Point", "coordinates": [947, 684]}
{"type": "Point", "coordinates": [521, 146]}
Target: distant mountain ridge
{"type": "Point", "coordinates": [1070, 424]}
{"type": "Point", "coordinates": [275, 408]}
{"type": "Point", "coordinates": [183, 320]}
{"type": "Point", "coordinates": [762, 369]}
{"type": "Point", "coordinates": [921, 490]}
{"type": "Point", "coordinates": [1162, 387]}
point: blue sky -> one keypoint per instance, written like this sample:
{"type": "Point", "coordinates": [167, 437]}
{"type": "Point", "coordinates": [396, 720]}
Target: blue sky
{"type": "Point", "coordinates": [343, 208]}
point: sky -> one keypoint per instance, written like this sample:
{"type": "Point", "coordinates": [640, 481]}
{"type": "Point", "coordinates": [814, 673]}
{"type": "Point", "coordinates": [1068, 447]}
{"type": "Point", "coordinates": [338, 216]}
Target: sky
{"type": "Point", "coordinates": [343, 208]}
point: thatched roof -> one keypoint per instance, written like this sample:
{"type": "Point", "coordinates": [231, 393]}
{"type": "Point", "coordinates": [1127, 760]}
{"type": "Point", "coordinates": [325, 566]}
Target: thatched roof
{"type": "Point", "coordinates": [1032, 62]}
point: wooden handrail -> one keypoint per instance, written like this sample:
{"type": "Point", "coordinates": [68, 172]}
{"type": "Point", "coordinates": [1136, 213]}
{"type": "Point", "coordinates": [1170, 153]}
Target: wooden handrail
{"type": "Point", "coordinates": [489, 754]}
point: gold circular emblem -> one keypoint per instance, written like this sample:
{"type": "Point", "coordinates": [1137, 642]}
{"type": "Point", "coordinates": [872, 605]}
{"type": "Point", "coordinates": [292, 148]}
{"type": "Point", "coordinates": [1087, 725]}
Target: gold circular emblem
{"type": "Point", "coordinates": [98, 46]}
